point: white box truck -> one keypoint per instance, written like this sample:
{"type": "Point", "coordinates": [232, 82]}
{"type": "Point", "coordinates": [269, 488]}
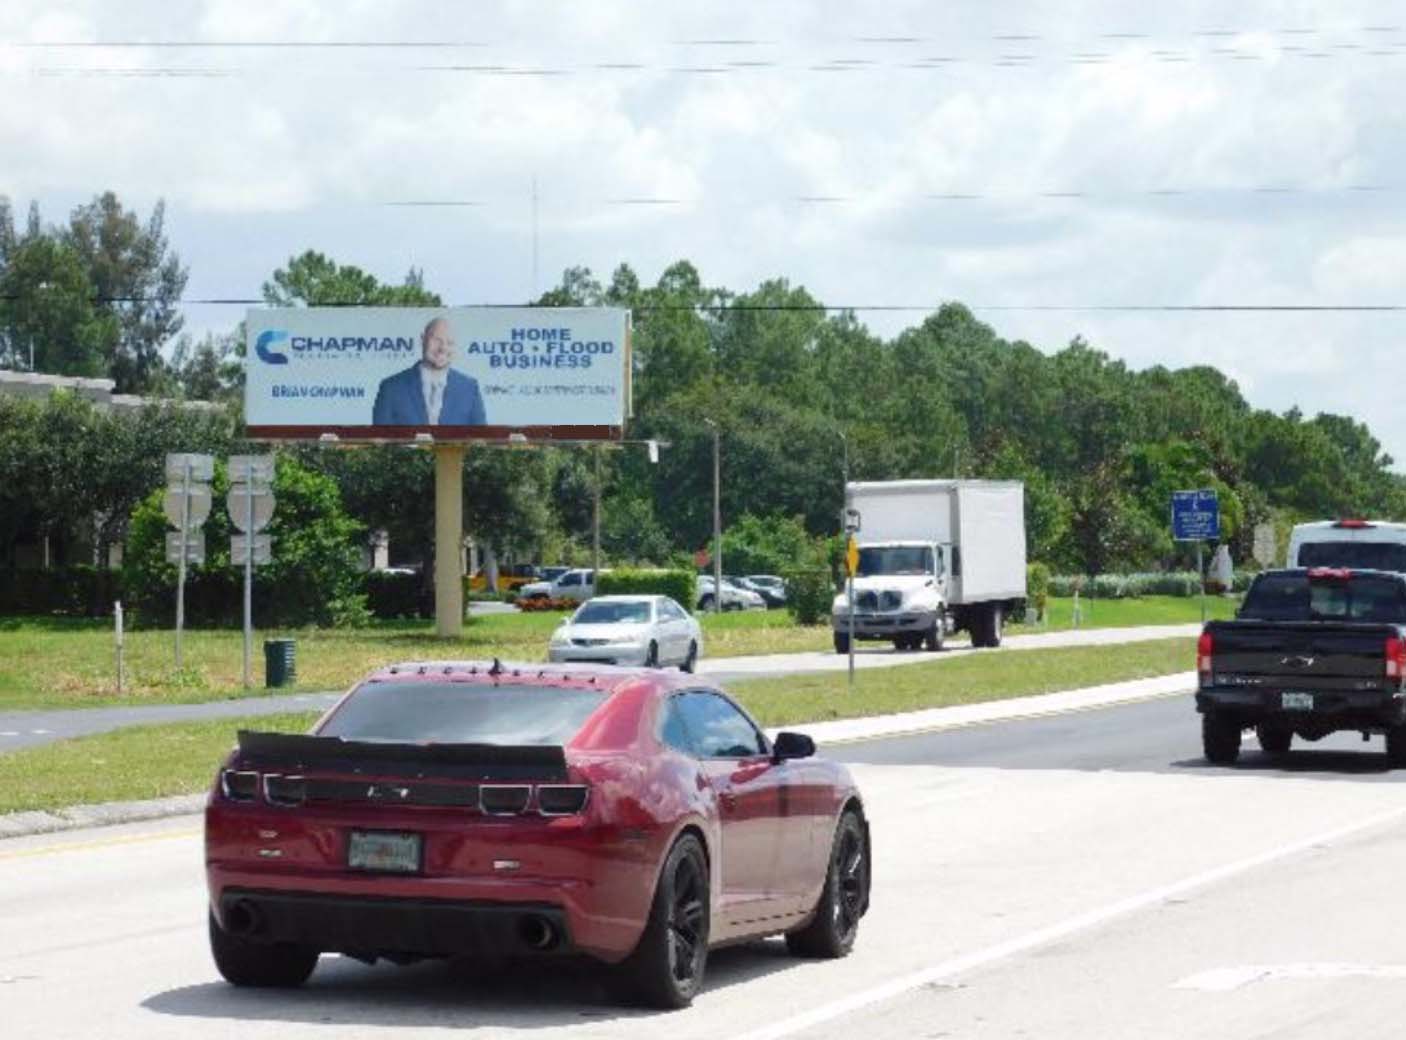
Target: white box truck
{"type": "Point", "coordinates": [935, 557]}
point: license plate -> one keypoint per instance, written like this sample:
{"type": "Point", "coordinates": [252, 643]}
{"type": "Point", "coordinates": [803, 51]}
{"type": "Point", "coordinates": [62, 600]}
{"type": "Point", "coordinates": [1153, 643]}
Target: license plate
{"type": "Point", "coordinates": [385, 851]}
{"type": "Point", "coordinates": [1296, 701]}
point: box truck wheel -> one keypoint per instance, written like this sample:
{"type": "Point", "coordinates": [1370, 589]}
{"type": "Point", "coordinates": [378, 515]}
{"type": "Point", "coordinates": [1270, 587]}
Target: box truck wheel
{"type": "Point", "coordinates": [995, 620]}
{"type": "Point", "coordinates": [932, 638]}
{"type": "Point", "coordinates": [841, 642]}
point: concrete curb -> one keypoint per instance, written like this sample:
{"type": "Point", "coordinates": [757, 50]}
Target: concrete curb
{"type": "Point", "coordinates": [838, 731]}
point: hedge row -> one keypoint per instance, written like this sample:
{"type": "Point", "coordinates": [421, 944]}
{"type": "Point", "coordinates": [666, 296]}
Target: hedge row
{"type": "Point", "coordinates": [679, 585]}
{"type": "Point", "coordinates": [75, 591]}
{"type": "Point", "coordinates": [1125, 586]}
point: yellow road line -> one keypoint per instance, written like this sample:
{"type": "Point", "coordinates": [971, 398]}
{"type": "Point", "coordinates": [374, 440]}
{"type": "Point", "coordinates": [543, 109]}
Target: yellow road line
{"type": "Point", "coordinates": [130, 839]}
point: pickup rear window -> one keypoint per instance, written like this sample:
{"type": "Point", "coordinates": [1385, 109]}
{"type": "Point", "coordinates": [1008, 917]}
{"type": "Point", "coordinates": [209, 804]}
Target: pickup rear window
{"type": "Point", "coordinates": [1296, 597]}
{"type": "Point", "coordinates": [1373, 556]}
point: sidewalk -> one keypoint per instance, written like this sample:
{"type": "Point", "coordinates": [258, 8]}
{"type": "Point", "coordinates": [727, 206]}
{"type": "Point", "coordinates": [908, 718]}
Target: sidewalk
{"type": "Point", "coordinates": [15, 825]}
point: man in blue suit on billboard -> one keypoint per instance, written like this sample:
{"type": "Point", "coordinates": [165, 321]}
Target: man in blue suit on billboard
{"type": "Point", "coordinates": [430, 392]}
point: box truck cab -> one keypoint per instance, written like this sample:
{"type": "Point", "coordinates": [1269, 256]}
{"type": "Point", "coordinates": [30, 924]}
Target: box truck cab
{"type": "Point", "coordinates": [1353, 544]}
{"type": "Point", "coordinates": [935, 557]}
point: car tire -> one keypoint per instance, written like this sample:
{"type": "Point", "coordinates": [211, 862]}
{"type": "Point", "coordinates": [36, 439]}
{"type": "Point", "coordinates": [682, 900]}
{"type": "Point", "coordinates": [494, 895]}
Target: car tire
{"type": "Point", "coordinates": [691, 661]}
{"type": "Point", "coordinates": [263, 965]}
{"type": "Point", "coordinates": [932, 638]}
{"type": "Point", "coordinates": [651, 659]}
{"type": "Point", "coordinates": [844, 898]}
{"type": "Point", "coordinates": [706, 603]}
{"type": "Point", "coordinates": [654, 974]}
{"type": "Point", "coordinates": [841, 642]}
{"type": "Point", "coordinates": [1220, 739]}
{"type": "Point", "coordinates": [1274, 739]}
{"type": "Point", "coordinates": [1396, 746]}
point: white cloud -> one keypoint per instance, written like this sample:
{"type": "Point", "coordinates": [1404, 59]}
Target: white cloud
{"type": "Point", "coordinates": [294, 148]}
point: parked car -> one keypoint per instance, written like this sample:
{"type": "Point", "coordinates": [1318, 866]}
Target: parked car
{"type": "Point", "coordinates": [637, 630]}
{"type": "Point", "coordinates": [458, 808]}
{"type": "Point", "coordinates": [769, 587]}
{"type": "Point", "coordinates": [1311, 652]}
{"type": "Point", "coordinates": [578, 584]}
{"type": "Point", "coordinates": [733, 598]}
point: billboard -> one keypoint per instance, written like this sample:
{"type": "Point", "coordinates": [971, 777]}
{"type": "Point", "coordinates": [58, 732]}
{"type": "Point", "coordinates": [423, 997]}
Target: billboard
{"type": "Point", "coordinates": [456, 373]}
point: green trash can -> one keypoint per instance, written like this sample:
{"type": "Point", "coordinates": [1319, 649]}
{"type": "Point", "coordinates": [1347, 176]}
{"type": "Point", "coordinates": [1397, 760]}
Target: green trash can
{"type": "Point", "coordinates": [280, 662]}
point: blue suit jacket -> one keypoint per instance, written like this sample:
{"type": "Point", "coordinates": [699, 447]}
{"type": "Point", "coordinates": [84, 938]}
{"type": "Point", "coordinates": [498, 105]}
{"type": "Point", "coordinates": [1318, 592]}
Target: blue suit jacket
{"type": "Point", "coordinates": [400, 401]}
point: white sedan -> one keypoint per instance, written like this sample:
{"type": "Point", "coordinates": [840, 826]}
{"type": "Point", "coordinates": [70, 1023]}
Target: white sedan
{"type": "Point", "coordinates": [653, 631]}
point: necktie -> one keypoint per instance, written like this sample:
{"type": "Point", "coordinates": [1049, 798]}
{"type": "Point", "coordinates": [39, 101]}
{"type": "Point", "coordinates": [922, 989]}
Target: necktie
{"type": "Point", "coordinates": [436, 399]}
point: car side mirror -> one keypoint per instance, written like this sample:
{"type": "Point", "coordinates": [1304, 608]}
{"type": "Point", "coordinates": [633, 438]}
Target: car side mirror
{"type": "Point", "coordinates": [792, 745]}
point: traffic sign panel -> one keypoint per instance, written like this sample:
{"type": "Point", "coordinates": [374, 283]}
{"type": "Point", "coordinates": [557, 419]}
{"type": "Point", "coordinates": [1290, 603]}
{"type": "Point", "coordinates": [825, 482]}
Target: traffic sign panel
{"type": "Point", "coordinates": [202, 467]}
{"type": "Point", "coordinates": [197, 509]}
{"type": "Point", "coordinates": [851, 556]}
{"type": "Point", "coordinates": [239, 545]}
{"type": "Point", "coordinates": [195, 547]}
{"type": "Point", "coordinates": [1266, 549]}
{"type": "Point", "coordinates": [237, 502]}
{"type": "Point", "coordinates": [1195, 515]}
{"type": "Point", "coordinates": [257, 469]}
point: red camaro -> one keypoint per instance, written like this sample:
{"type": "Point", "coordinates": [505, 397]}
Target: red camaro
{"type": "Point", "coordinates": [446, 809]}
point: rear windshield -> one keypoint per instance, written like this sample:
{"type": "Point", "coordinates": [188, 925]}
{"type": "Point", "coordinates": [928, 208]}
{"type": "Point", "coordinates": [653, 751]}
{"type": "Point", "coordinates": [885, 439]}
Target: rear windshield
{"type": "Point", "coordinates": [463, 713]}
{"type": "Point", "coordinates": [1294, 597]}
{"type": "Point", "coordinates": [597, 613]}
{"type": "Point", "coordinates": [1374, 556]}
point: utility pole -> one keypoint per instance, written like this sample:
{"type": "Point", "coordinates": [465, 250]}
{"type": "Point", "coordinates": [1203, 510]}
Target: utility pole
{"type": "Point", "coordinates": [717, 522]}
{"type": "Point", "coordinates": [595, 522]}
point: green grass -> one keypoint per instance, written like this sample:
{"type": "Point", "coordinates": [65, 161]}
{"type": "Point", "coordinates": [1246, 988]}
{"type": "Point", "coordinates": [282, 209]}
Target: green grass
{"type": "Point", "coordinates": [965, 680]}
{"type": "Point", "coordinates": [180, 758]}
{"type": "Point", "coordinates": [70, 663]}
{"type": "Point", "coordinates": [128, 764]}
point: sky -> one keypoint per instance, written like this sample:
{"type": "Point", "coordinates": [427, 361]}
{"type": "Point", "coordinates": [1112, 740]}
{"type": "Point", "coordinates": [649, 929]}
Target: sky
{"type": "Point", "coordinates": [1039, 162]}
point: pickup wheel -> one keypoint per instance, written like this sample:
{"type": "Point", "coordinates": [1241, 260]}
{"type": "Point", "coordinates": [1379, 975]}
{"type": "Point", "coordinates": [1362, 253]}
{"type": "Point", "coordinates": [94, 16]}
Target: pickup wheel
{"type": "Point", "coordinates": [1220, 739]}
{"type": "Point", "coordinates": [841, 642]}
{"type": "Point", "coordinates": [1274, 739]}
{"type": "Point", "coordinates": [1396, 746]}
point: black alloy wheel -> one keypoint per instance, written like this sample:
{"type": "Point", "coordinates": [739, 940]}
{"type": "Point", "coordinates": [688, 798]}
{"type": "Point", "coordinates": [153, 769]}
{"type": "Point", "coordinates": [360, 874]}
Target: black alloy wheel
{"type": "Point", "coordinates": [666, 968]}
{"type": "Point", "coordinates": [651, 659]}
{"type": "Point", "coordinates": [832, 929]}
{"type": "Point", "coordinates": [691, 661]}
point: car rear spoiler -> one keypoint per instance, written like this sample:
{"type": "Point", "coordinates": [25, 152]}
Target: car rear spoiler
{"type": "Point", "coordinates": [293, 752]}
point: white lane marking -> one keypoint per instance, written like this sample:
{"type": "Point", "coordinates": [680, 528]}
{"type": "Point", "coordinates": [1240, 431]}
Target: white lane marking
{"type": "Point", "coordinates": [1226, 980]}
{"type": "Point", "coordinates": [1055, 932]}
{"type": "Point", "coordinates": [9, 733]}
{"type": "Point", "coordinates": [41, 732]}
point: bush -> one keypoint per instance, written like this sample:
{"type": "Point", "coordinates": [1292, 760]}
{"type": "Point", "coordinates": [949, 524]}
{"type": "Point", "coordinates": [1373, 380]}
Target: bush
{"type": "Point", "coordinates": [542, 605]}
{"type": "Point", "coordinates": [1123, 586]}
{"type": "Point", "coordinates": [680, 585]}
{"type": "Point", "coordinates": [316, 559]}
{"type": "Point", "coordinates": [764, 545]}
{"type": "Point", "coordinates": [392, 596]}
{"type": "Point", "coordinates": [1037, 586]}
{"type": "Point", "coordinates": [80, 590]}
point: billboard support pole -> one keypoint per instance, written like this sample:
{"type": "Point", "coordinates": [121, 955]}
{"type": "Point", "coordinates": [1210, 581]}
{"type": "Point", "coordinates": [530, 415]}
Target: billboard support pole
{"type": "Point", "coordinates": [448, 535]}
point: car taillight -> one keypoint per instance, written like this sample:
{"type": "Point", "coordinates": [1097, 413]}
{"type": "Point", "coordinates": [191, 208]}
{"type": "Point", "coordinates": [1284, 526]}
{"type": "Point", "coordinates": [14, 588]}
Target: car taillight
{"type": "Point", "coordinates": [1205, 651]}
{"type": "Point", "coordinates": [1353, 525]}
{"type": "Point", "coordinates": [239, 785]}
{"type": "Point", "coordinates": [561, 799]}
{"type": "Point", "coordinates": [1395, 658]}
{"type": "Point", "coordinates": [1329, 574]}
{"type": "Point", "coordinates": [285, 790]}
{"type": "Point", "coordinates": [504, 799]}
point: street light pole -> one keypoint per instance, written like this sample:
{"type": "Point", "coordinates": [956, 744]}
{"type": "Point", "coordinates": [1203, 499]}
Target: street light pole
{"type": "Point", "coordinates": [717, 522]}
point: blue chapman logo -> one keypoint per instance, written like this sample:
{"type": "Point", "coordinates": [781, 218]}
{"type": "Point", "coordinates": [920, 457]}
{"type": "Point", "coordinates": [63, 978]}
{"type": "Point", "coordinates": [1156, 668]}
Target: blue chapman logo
{"type": "Point", "coordinates": [262, 344]}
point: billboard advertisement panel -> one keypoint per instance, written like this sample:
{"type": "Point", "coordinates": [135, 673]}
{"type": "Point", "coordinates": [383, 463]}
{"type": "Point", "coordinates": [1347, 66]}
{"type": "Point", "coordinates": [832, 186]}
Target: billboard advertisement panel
{"type": "Point", "coordinates": [389, 373]}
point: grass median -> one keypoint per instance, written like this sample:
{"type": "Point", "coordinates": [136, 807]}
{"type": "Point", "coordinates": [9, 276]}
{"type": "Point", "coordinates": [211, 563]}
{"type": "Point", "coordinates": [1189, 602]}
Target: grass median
{"type": "Point", "coordinates": [180, 758]}
{"type": "Point", "coordinates": [69, 663]}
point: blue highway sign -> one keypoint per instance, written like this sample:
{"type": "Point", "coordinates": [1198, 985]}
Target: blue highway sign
{"type": "Point", "coordinates": [1195, 516]}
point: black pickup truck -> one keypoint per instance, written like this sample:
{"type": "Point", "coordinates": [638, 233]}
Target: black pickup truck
{"type": "Point", "coordinates": [1311, 652]}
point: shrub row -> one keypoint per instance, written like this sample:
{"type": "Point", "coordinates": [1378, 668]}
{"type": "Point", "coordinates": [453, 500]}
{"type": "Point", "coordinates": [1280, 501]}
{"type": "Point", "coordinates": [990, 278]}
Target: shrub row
{"type": "Point", "coordinates": [1125, 586]}
{"type": "Point", "coordinates": [679, 585]}
{"type": "Point", "coordinates": [74, 591]}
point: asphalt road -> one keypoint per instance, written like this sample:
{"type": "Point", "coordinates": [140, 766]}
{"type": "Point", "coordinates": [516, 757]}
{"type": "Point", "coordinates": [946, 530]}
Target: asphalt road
{"type": "Point", "coordinates": [20, 729]}
{"type": "Point", "coordinates": [1075, 877]}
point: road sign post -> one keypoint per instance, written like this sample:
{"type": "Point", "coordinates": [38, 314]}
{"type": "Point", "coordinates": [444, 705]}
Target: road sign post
{"type": "Point", "coordinates": [1196, 518]}
{"type": "Point", "coordinates": [187, 504]}
{"type": "Point", "coordinates": [250, 503]}
{"type": "Point", "coordinates": [851, 566]}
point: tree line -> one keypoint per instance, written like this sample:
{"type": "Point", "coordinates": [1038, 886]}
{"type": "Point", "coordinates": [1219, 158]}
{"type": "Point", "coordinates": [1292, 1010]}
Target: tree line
{"type": "Point", "coordinates": [792, 385]}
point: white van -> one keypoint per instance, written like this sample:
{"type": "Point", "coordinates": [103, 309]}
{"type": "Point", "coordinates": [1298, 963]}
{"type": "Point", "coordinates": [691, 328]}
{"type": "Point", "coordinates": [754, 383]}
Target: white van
{"type": "Point", "coordinates": [1374, 544]}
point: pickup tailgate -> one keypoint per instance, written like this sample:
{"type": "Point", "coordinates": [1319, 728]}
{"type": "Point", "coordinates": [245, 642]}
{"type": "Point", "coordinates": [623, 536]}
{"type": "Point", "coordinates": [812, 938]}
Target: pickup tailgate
{"type": "Point", "coordinates": [1309, 656]}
